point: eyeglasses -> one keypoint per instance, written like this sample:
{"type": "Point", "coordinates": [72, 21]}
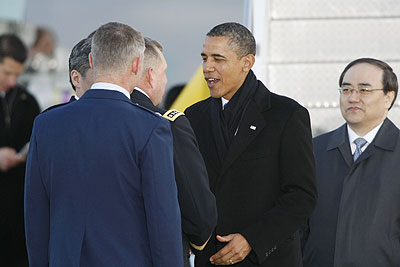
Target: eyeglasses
{"type": "Point", "coordinates": [346, 91]}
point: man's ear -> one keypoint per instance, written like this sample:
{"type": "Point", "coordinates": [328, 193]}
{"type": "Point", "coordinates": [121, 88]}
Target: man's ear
{"type": "Point", "coordinates": [135, 65]}
{"type": "Point", "coordinates": [90, 60]}
{"type": "Point", "coordinates": [389, 98]}
{"type": "Point", "coordinates": [248, 62]}
{"type": "Point", "coordinates": [149, 76]}
{"type": "Point", "coordinates": [76, 78]}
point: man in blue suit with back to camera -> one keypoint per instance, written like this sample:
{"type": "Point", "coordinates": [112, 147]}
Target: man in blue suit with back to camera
{"type": "Point", "coordinates": [100, 188]}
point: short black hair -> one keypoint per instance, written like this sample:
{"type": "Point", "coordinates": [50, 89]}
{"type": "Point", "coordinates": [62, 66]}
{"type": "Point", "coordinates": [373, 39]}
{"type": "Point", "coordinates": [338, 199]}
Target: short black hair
{"type": "Point", "coordinates": [240, 38]}
{"type": "Point", "coordinates": [79, 58]}
{"type": "Point", "coordinates": [12, 46]}
{"type": "Point", "coordinates": [389, 79]}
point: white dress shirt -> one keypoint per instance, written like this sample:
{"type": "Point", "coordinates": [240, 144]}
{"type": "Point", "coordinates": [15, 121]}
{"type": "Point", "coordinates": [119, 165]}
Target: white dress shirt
{"type": "Point", "coordinates": [111, 86]}
{"type": "Point", "coordinates": [224, 102]}
{"type": "Point", "coordinates": [369, 137]}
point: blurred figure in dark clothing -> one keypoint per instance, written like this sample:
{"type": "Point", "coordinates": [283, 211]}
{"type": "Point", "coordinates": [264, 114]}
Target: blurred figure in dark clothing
{"type": "Point", "coordinates": [18, 109]}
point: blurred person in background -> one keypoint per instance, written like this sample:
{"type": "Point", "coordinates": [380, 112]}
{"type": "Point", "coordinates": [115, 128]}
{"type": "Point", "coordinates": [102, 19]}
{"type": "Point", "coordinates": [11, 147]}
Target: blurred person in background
{"type": "Point", "coordinates": [44, 43]}
{"type": "Point", "coordinates": [41, 56]}
{"type": "Point", "coordinates": [197, 203]}
{"type": "Point", "coordinates": [18, 109]}
{"type": "Point", "coordinates": [357, 218]}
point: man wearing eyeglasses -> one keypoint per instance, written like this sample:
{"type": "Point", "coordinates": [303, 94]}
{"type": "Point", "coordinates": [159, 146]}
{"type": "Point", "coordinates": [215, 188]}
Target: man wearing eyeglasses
{"type": "Point", "coordinates": [357, 218]}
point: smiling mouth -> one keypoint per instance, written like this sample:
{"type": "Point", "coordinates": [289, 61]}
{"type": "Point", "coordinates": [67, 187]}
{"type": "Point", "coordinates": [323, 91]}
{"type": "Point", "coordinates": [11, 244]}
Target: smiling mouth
{"type": "Point", "coordinates": [212, 80]}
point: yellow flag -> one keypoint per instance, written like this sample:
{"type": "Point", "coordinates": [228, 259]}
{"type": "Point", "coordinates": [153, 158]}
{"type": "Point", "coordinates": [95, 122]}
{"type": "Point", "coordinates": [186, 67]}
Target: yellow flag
{"type": "Point", "coordinates": [195, 91]}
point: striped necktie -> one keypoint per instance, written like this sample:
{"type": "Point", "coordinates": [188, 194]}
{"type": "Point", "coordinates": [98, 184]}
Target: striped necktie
{"type": "Point", "coordinates": [360, 142]}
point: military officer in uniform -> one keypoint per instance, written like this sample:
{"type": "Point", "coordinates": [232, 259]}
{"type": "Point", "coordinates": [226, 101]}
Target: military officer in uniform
{"type": "Point", "coordinates": [197, 203]}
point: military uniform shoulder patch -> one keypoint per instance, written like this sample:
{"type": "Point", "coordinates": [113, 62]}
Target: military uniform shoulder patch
{"type": "Point", "coordinates": [172, 114]}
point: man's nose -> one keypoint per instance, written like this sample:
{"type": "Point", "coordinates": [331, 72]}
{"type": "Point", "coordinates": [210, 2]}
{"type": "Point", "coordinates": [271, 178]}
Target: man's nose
{"type": "Point", "coordinates": [354, 96]}
{"type": "Point", "coordinates": [208, 66]}
{"type": "Point", "coordinates": [12, 81]}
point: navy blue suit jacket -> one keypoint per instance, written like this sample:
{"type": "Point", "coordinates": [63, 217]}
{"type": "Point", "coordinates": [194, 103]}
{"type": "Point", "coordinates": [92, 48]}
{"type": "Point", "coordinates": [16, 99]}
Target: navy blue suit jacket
{"type": "Point", "coordinates": [100, 188]}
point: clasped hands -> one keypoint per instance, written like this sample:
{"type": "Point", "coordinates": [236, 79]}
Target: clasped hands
{"type": "Point", "coordinates": [235, 251]}
{"type": "Point", "coordinates": [9, 158]}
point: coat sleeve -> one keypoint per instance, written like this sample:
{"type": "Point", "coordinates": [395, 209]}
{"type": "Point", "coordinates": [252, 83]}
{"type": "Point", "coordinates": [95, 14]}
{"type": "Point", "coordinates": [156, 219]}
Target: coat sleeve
{"type": "Point", "coordinates": [160, 198]}
{"type": "Point", "coordinates": [37, 209]}
{"type": "Point", "coordinates": [197, 202]}
{"type": "Point", "coordinates": [298, 187]}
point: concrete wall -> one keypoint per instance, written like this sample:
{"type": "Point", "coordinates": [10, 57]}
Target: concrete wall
{"type": "Point", "coordinates": [305, 44]}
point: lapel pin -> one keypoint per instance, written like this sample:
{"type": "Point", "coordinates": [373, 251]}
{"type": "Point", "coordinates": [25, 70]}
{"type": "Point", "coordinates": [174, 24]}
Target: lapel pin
{"type": "Point", "coordinates": [253, 127]}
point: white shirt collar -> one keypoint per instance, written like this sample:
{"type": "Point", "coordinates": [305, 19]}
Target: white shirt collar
{"type": "Point", "coordinates": [224, 102]}
{"type": "Point", "coordinates": [111, 86]}
{"type": "Point", "coordinates": [143, 92]}
{"type": "Point", "coordinates": [369, 137]}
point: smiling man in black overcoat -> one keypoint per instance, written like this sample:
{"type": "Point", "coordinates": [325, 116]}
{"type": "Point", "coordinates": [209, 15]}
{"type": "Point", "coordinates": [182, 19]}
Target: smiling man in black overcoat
{"type": "Point", "coordinates": [258, 152]}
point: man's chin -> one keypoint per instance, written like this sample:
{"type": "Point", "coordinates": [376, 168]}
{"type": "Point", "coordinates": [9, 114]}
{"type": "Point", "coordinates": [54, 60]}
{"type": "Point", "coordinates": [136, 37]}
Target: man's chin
{"type": "Point", "coordinates": [353, 121]}
{"type": "Point", "coordinates": [215, 94]}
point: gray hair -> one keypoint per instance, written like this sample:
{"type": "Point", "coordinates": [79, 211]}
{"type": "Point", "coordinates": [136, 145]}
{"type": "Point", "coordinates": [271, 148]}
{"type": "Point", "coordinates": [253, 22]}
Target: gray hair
{"type": "Point", "coordinates": [79, 58]}
{"type": "Point", "coordinates": [114, 46]}
{"type": "Point", "coordinates": [151, 56]}
{"type": "Point", "coordinates": [241, 39]}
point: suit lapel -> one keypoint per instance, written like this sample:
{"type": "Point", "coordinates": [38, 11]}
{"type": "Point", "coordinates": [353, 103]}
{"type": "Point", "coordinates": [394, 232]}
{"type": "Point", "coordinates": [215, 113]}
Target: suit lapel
{"type": "Point", "coordinates": [215, 121]}
{"type": "Point", "coordinates": [250, 127]}
{"type": "Point", "coordinates": [387, 136]}
{"type": "Point", "coordinates": [366, 154]}
{"type": "Point", "coordinates": [340, 140]}
{"type": "Point", "coordinates": [386, 139]}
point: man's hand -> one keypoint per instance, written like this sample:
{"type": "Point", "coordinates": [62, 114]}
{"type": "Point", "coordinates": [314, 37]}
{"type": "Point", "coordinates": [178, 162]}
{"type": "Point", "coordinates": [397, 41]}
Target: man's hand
{"type": "Point", "coordinates": [235, 251]}
{"type": "Point", "coordinates": [9, 158]}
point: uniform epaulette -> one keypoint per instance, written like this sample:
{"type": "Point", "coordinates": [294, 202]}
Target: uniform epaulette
{"type": "Point", "coordinates": [147, 109]}
{"type": "Point", "coordinates": [172, 114]}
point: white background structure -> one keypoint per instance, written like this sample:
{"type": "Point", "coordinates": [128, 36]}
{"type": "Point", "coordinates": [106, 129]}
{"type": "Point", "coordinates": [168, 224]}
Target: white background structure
{"type": "Point", "coordinates": [304, 45]}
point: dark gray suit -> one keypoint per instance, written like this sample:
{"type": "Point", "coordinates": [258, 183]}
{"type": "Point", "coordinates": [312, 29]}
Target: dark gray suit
{"type": "Point", "coordinates": [357, 219]}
